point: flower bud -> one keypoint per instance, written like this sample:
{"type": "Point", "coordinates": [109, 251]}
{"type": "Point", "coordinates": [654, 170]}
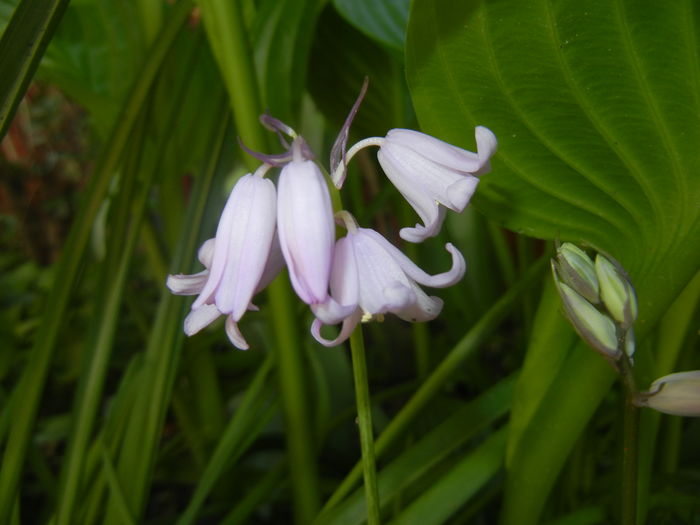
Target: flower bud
{"type": "Point", "coordinates": [595, 328]}
{"type": "Point", "coordinates": [677, 394]}
{"type": "Point", "coordinates": [616, 291]}
{"type": "Point", "coordinates": [576, 269]}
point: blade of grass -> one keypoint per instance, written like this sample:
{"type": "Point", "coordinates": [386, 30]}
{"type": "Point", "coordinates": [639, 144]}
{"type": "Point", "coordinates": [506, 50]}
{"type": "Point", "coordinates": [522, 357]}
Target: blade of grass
{"type": "Point", "coordinates": [21, 47]}
{"type": "Point", "coordinates": [260, 493]}
{"type": "Point", "coordinates": [434, 447]}
{"type": "Point", "coordinates": [458, 485]}
{"type": "Point", "coordinates": [230, 444]}
{"type": "Point", "coordinates": [31, 384]}
{"type": "Point", "coordinates": [125, 516]}
{"type": "Point", "coordinates": [123, 239]}
{"type": "Point", "coordinates": [161, 359]}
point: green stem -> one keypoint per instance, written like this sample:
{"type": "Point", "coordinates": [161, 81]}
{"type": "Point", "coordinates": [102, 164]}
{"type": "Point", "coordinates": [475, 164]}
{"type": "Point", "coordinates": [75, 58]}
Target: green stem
{"type": "Point", "coordinates": [630, 444]}
{"type": "Point", "coordinates": [364, 419]}
{"type": "Point", "coordinates": [290, 367]}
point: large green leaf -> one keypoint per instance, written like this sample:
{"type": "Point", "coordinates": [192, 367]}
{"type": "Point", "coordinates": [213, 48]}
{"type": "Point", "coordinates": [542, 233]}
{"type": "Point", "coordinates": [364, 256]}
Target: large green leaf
{"type": "Point", "coordinates": [596, 106]}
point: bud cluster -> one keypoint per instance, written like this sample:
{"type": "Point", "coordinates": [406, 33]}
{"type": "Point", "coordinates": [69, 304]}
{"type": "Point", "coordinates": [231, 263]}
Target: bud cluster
{"type": "Point", "coordinates": [599, 300]}
{"type": "Point", "coordinates": [601, 304]}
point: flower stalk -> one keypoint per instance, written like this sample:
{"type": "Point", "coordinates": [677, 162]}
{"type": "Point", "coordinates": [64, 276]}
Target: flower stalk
{"type": "Point", "coordinates": [630, 442]}
{"type": "Point", "coordinates": [364, 422]}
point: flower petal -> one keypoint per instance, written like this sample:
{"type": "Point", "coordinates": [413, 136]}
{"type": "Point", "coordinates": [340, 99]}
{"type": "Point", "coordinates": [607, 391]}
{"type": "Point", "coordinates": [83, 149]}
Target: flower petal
{"type": "Point", "coordinates": [200, 317]}
{"type": "Point", "coordinates": [332, 312]}
{"type": "Point", "coordinates": [436, 150]}
{"type": "Point", "coordinates": [273, 266]}
{"type": "Point", "coordinates": [247, 246]}
{"type": "Point", "coordinates": [306, 229]}
{"type": "Point", "coordinates": [486, 145]}
{"type": "Point", "coordinates": [182, 284]}
{"type": "Point", "coordinates": [441, 280]}
{"type": "Point", "coordinates": [223, 234]}
{"type": "Point", "coordinates": [384, 286]}
{"type": "Point", "coordinates": [419, 233]}
{"type": "Point", "coordinates": [406, 169]}
{"type": "Point", "coordinates": [424, 308]}
{"type": "Point", "coordinates": [206, 253]}
{"type": "Point", "coordinates": [234, 334]}
{"type": "Point", "coordinates": [349, 324]}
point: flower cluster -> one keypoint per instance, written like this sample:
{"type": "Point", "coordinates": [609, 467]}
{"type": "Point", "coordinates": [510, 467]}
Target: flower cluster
{"type": "Point", "coordinates": [362, 276]}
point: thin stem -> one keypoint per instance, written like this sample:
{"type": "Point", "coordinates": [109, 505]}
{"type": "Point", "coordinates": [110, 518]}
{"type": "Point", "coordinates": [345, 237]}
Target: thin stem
{"type": "Point", "coordinates": [630, 444]}
{"type": "Point", "coordinates": [364, 420]}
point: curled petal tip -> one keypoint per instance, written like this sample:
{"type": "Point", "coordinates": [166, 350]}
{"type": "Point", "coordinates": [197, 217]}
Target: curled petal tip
{"type": "Point", "coordinates": [235, 335]}
{"type": "Point", "coordinates": [187, 284]}
{"type": "Point", "coordinates": [201, 317]}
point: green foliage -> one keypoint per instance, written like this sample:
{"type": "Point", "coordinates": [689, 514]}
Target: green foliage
{"type": "Point", "coordinates": [493, 412]}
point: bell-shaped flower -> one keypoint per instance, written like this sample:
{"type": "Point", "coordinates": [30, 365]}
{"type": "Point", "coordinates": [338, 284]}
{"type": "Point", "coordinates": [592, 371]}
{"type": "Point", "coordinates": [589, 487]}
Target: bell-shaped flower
{"type": "Point", "coordinates": [306, 228]}
{"type": "Point", "coordinates": [677, 394]}
{"type": "Point", "coordinates": [371, 277]}
{"type": "Point", "coordinates": [431, 174]}
{"type": "Point", "coordinates": [241, 260]}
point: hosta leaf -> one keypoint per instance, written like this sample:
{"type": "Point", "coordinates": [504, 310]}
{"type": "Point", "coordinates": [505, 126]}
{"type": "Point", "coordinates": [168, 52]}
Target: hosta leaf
{"type": "Point", "coordinates": [597, 108]}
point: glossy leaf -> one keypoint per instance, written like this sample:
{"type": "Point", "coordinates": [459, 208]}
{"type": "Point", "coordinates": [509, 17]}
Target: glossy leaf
{"type": "Point", "coordinates": [597, 112]}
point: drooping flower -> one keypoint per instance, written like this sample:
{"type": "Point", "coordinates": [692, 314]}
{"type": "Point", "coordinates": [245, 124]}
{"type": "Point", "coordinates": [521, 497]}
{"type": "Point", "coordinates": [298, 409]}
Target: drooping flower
{"type": "Point", "coordinates": [241, 260]}
{"type": "Point", "coordinates": [306, 228]}
{"type": "Point", "coordinates": [431, 174]}
{"type": "Point", "coordinates": [677, 394]}
{"type": "Point", "coordinates": [371, 277]}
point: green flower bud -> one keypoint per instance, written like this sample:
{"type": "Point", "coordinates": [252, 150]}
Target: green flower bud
{"type": "Point", "coordinates": [595, 328]}
{"type": "Point", "coordinates": [616, 291]}
{"type": "Point", "coordinates": [677, 394]}
{"type": "Point", "coordinates": [576, 269]}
